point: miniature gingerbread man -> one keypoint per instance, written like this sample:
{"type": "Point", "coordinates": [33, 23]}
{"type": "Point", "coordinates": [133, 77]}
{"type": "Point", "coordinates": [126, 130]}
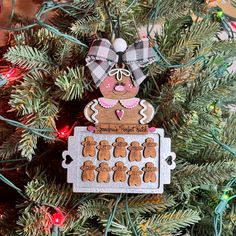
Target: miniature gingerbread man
{"type": "Point", "coordinates": [88, 171]}
{"type": "Point", "coordinates": [135, 151]}
{"type": "Point", "coordinates": [134, 176]}
{"type": "Point", "coordinates": [89, 147]}
{"type": "Point", "coordinates": [104, 150]}
{"type": "Point", "coordinates": [103, 173]}
{"type": "Point", "coordinates": [149, 172]}
{"type": "Point", "coordinates": [149, 148]}
{"type": "Point", "coordinates": [120, 147]}
{"type": "Point", "coordinates": [119, 172]}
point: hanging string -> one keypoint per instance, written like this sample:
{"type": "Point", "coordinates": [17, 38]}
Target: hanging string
{"type": "Point", "coordinates": [112, 215]}
{"type": "Point", "coordinates": [113, 26]}
{"type": "Point", "coordinates": [40, 18]}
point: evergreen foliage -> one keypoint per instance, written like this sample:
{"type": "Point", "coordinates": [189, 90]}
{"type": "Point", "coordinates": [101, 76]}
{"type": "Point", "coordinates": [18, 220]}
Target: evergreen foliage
{"type": "Point", "coordinates": [189, 101]}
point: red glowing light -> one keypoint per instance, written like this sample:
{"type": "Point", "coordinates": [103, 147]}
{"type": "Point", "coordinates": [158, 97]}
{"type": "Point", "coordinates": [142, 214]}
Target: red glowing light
{"type": "Point", "coordinates": [13, 74]}
{"type": "Point", "coordinates": [64, 132]}
{"type": "Point", "coordinates": [57, 218]}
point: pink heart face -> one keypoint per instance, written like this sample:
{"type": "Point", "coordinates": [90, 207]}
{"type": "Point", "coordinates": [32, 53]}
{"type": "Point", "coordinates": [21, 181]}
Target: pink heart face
{"type": "Point", "coordinates": [111, 88]}
{"type": "Point", "coordinates": [120, 114]}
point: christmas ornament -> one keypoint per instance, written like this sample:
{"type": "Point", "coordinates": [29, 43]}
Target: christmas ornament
{"type": "Point", "coordinates": [120, 153]}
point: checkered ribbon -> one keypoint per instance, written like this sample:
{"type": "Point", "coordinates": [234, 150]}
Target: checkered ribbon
{"type": "Point", "coordinates": [102, 58]}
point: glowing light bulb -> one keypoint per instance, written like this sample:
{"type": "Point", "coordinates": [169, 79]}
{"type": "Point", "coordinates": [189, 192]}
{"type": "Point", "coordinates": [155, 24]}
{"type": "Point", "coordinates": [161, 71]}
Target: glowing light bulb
{"type": "Point", "coordinates": [219, 14]}
{"type": "Point", "coordinates": [225, 197]}
{"type": "Point", "coordinates": [64, 132]}
{"type": "Point", "coordinates": [57, 218]}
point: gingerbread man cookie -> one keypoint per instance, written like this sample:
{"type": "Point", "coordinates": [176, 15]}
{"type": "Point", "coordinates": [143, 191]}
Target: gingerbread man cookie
{"type": "Point", "coordinates": [88, 171]}
{"type": "Point", "coordinates": [119, 172]}
{"type": "Point", "coordinates": [135, 151]}
{"type": "Point", "coordinates": [120, 147]}
{"type": "Point", "coordinates": [149, 148]}
{"type": "Point", "coordinates": [134, 176]}
{"type": "Point", "coordinates": [149, 172]}
{"type": "Point", "coordinates": [103, 173]}
{"type": "Point", "coordinates": [104, 150]}
{"type": "Point", "coordinates": [89, 147]}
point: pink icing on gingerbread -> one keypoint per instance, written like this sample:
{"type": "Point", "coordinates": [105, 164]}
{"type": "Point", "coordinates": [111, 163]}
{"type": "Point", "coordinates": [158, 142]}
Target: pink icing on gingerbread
{"type": "Point", "coordinates": [127, 103]}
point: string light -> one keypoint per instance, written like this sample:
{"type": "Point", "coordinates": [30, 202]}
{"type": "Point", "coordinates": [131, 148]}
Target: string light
{"type": "Point", "coordinates": [219, 14]}
{"type": "Point", "coordinates": [57, 218]}
{"type": "Point", "coordinates": [64, 132]}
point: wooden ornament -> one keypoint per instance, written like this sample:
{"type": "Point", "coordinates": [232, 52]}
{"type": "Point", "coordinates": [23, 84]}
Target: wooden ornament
{"type": "Point", "coordinates": [89, 147]}
{"type": "Point", "coordinates": [119, 104]}
{"type": "Point", "coordinates": [103, 173]}
{"type": "Point", "coordinates": [120, 129]}
{"type": "Point", "coordinates": [120, 147]}
{"type": "Point", "coordinates": [119, 172]}
{"type": "Point", "coordinates": [121, 140]}
{"type": "Point", "coordinates": [134, 176]}
{"type": "Point", "coordinates": [104, 150]}
{"type": "Point", "coordinates": [135, 151]}
{"type": "Point", "coordinates": [88, 171]}
{"type": "Point", "coordinates": [149, 173]}
{"type": "Point", "coordinates": [149, 148]}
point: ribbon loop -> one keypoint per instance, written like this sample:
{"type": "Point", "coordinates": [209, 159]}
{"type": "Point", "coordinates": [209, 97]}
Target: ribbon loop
{"type": "Point", "coordinates": [102, 58]}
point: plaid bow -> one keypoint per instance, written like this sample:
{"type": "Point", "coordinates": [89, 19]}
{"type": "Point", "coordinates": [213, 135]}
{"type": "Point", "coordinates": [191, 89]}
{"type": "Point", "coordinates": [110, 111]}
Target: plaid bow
{"type": "Point", "coordinates": [102, 58]}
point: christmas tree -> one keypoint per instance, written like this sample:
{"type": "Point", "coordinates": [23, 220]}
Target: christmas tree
{"type": "Point", "coordinates": [45, 86]}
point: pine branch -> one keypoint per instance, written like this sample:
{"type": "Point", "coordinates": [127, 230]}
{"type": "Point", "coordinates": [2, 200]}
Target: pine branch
{"type": "Point", "coordinates": [149, 203]}
{"type": "Point", "coordinates": [28, 57]}
{"type": "Point", "coordinates": [72, 84]}
{"type": "Point", "coordinates": [50, 193]}
{"type": "Point", "coordinates": [9, 146]}
{"type": "Point", "coordinates": [210, 173]}
{"type": "Point", "coordinates": [168, 223]}
{"type": "Point", "coordinates": [95, 207]}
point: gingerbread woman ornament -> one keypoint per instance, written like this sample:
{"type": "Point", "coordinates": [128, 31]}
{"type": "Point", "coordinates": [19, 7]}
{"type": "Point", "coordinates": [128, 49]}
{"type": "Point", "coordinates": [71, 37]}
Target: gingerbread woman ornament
{"type": "Point", "coordinates": [103, 173]}
{"type": "Point", "coordinates": [119, 172]}
{"type": "Point", "coordinates": [135, 151]}
{"type": "Point", "coordinates": [88, 171]}
{"type": "Point", "coordinates": [134, 176]}
{"type": "Point", "coordinates": [104, 150]}
{"type": "Point", "coordinates": [119, 82]}
{"type": "Point", "coordinates": [89, 147]}
{"type": "Point", "coordinates": [149, 172]}
{"type": "Point", "coordinates": [150, 148]}
{"type": "Point", "coordinates": [120, 147]}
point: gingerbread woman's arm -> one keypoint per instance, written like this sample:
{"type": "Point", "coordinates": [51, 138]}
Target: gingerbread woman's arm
{"type": "Point", "coordinates": [147, 112]}
{"type": "Point", "coordinates": [114, 168]}
{"type": "Point", "coordinates": [90, 111]}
